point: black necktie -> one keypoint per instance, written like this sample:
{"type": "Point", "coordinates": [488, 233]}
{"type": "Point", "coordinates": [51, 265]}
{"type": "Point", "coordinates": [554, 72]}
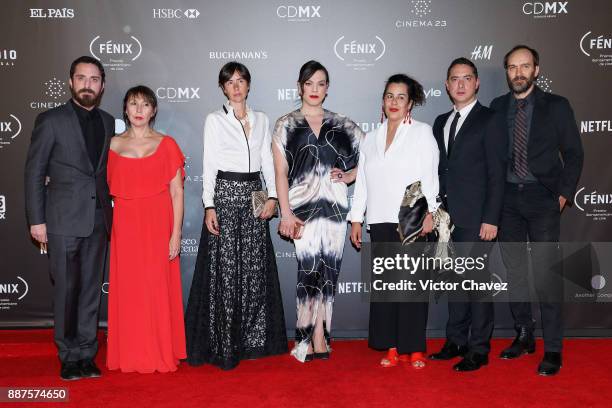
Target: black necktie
{"type": "Point", "coordinates": [519, 150]}
{"type": "Point", "coordinates": [451, 134]}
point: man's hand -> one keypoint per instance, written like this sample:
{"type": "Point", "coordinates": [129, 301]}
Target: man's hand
{"type": "Point", "coordinates": [39, 232]}
{"type": "Point", "coordinates": [488, 232]}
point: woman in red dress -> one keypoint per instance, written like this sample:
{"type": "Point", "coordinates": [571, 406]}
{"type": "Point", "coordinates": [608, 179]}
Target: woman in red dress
{"type": "Point", "coordinates": [145, 308]}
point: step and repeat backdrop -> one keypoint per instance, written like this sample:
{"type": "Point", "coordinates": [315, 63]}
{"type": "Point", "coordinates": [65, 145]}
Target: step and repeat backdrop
{"type": "Point", "coordinates": [176, 47]}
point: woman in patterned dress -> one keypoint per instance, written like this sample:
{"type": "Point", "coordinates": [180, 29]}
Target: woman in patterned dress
{"type": "Point", "coordinates": [235, 310]}
{"type": "Point", "coordinates": [315, 151]}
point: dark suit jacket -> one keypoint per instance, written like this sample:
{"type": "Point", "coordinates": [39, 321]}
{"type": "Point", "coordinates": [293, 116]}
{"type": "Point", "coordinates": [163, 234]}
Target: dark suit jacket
{"type": "Point", "coordinates": [67, 204]}
{"type": "Point", "coordinates": [472, 180]}
{"type": "Point", "coordinates": [553, 131]}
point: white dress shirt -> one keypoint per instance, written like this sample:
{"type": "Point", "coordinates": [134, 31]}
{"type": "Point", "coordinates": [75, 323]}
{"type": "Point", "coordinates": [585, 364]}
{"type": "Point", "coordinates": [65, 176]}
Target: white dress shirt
{"type": "Point", "coordinates": [382, 177]}
{"type": "Point", "coordinates": [464, 112]}
{"type": "Point", "coordinates": [227, 148]}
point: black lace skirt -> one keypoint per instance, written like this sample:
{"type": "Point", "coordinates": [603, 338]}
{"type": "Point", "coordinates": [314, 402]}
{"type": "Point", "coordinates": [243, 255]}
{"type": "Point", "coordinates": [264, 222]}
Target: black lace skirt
{"type": "Point", "coordinates": [235, 310]}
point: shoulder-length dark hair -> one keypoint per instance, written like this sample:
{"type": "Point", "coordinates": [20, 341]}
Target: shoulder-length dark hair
{"type": "Point", "coordinates": [227, 71]}
{"type": "Point", "coordinates": [145, 93]}
{"type": "Point", "coordinates": [308, 70]}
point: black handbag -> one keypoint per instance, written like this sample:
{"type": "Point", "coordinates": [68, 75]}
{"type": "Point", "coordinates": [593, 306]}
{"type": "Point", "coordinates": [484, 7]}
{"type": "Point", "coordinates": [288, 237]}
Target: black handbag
{"type": "Point", "coordinates": [412, 213]}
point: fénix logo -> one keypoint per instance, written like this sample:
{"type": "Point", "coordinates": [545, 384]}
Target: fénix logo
{"type": "Point", "coordinates": [595, 126]}
{"type": "Point", "coordinates": [482, 52]}
{"type": "Point", "coordinates": [7, 57]}
{"type": "Point", "coordinates": [595, 205]}
{"type": "Point", "coordinates": [2, 207]}
{"type": "Point", "coordinates": [298, 13]}
{"type": "Point", "coordinates": [17, 288]}
{"type": "Point", "coordinates": [116, 54]}
{"type": "Point", "coordinates": [10, 128]}
{"type": "Point", "coordinates": [548, 9]}
{"type": "Point", "coordinates": [597, 47]}
{"type": "Point", "coordinates": [417, 18]}
{"type": "Point", "coordinates": [175, 14]}
{"type": "Point", "coordinates": [52, 13]}
{"type": "Point", "coordinates": [178, 94]}
{"type": "Point", "coordinates": [360, 53]}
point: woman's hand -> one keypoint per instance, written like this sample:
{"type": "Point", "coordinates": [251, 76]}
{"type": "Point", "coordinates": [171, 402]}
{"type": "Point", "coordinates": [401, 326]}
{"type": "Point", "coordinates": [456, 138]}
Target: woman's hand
{"type": "Point", "coordinates": [175, 246]}
{"type": "Point", "coordinates": [211, 221]}
{"type": "Point", "coordinates": [356, 234]}
{"type": "Point", "coordinates": [268, 210]}
{"type": "Point", "coordinates": [347, 177]}
{"type": "Point", "coordinates": [291, 226]}
{"type": "Point", "coordinates": [427, 225]}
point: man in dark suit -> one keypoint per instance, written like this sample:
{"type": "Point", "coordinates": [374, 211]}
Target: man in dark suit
{"type": "Point", "coordinates": [472, 170]}
{"type": "Point", "coordinates": [68, 207]}
{"type": "Point", "coordinates": [545, 159]}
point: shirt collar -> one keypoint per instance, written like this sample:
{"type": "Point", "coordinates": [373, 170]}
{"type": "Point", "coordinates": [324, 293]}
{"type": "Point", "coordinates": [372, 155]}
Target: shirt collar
{"type": "Point", "coordinates": [466, 109]}
{"type": "Point", "coordinates": [528, 99]}
{"type": "Point", "coordinates": [229, 110]}
{"type": "Point", "coordinates": [81, 112]}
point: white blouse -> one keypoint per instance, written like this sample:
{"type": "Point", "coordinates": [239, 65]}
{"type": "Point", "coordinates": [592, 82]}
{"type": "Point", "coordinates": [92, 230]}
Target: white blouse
{"type": "Point", "coordinates": [227, 148]}
{"type": "Point", "coordinates": [382, 177]}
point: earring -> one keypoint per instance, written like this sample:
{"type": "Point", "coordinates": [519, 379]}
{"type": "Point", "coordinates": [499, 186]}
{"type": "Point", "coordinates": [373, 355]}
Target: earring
{"type": "Point", "coordinates": [408, 118]}
{"type": "Point", "coordinates": [382, 115]}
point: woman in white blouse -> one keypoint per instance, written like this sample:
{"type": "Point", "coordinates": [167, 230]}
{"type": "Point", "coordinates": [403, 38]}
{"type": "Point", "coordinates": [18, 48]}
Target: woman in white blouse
{"type": "Point", "coordinates": [398, 153]}
{"type": "Point", "coordinates": [235, 310]}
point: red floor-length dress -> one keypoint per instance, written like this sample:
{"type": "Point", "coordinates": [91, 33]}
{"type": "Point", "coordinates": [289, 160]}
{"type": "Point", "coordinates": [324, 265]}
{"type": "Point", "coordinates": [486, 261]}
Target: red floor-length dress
{"type": "Point", "coordinates": [145, 308]}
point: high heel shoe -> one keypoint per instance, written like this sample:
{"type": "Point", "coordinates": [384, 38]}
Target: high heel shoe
{"type": "Point", "coordinates": [320, 356]}
{"type": "Point", "coordinates": [417, 360]}
{"type": "Point", "coordinates": [391, 360]}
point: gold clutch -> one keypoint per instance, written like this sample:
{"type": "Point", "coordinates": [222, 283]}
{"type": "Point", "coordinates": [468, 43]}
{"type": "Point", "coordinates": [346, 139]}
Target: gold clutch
{"type": "Point", "coordinates": [258, 201]}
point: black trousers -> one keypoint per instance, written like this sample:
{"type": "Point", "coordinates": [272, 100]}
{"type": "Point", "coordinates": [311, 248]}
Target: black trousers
{"type": "Point", "coordinates": [470, 322]}
{"type": "Point", "coordinates": [396, 324]}
{"type": "Point", "coordinates": [531, 214]}
{"type": "Point", "coordinates": [77, 269]}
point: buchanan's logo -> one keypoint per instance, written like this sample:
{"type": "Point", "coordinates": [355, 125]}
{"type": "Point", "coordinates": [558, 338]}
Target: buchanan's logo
{"type": "Point", "coordinates": [359, 53]}
{"type": "Point", "coordinates": [115, 54]}
{"type": "Point", "coordinates": [10, 128]}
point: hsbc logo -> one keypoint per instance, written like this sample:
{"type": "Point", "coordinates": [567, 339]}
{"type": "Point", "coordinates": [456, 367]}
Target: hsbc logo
{"type": "Point", "coordinates": [175, 14]}
{"type": "Point", "coordinates": [298, 13]}
{"type": "Point", "coordinates": [172, 94]}
{"type": "Point", "coordinates": [545, 9]}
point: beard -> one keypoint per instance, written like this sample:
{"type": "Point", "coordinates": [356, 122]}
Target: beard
{"type": "Point", "coordinates": [86, 97]}
{"type": "Point", "coordinates": [517, 87]}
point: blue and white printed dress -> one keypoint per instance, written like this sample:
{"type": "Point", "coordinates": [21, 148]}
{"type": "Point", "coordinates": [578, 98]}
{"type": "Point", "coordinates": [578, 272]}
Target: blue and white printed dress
{"type": "Point", "coordinates": [322, 205]}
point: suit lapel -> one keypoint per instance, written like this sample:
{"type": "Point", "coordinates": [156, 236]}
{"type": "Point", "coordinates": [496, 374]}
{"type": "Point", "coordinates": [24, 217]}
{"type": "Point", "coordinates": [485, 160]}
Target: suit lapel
{"type": "Point", "coordinates": [439, 133]}
{"type": "Point", "coordinates": [75, 127]}
{"type": "Point", "coordinates": [108, 133]}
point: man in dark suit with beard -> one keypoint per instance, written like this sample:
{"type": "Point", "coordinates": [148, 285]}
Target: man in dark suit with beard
{"type": "Point", "coordinates": [545, 159]}
{"type": "Point", "coordinates": [472, 173]}
{"type": "Point", "coordinates": [69, 208]}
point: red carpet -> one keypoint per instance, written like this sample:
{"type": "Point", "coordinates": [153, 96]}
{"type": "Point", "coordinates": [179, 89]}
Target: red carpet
{"type": "Point", "coordinates": [350, 378]}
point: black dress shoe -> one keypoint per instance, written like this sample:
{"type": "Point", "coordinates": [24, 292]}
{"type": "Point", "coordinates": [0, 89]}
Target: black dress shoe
{"type": "Point", "coordinates": [321, 356]}
{"type": "Point", "coordinates": [89, 369]}
{"type": "Point", "coordinates": [449, 350]}
{"type": "Point", "coordinates": [524, 343]}
{"type": "Point", "coordinates": [70, 371]}
{"type": "Point", "coordinates": [472, 362]}
{"type": "Point", "coordinates": [551, 364]}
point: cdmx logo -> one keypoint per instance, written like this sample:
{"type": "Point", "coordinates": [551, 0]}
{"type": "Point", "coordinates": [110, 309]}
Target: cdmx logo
{"type": "Point", "coordinates": [178, 94]}
{"type": "Point", "coordinates": [19, 288]}
{"type": "Point", "coordinates": [360, 54]}
{"type": "Point", "coordinates": [298, 13]}
{"type": "Point", "coordinates": [10, 128]}
{"type": "Point", "coordinates": [115, 54]}
{"type": "Point", "coordinates": [548, 9]}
